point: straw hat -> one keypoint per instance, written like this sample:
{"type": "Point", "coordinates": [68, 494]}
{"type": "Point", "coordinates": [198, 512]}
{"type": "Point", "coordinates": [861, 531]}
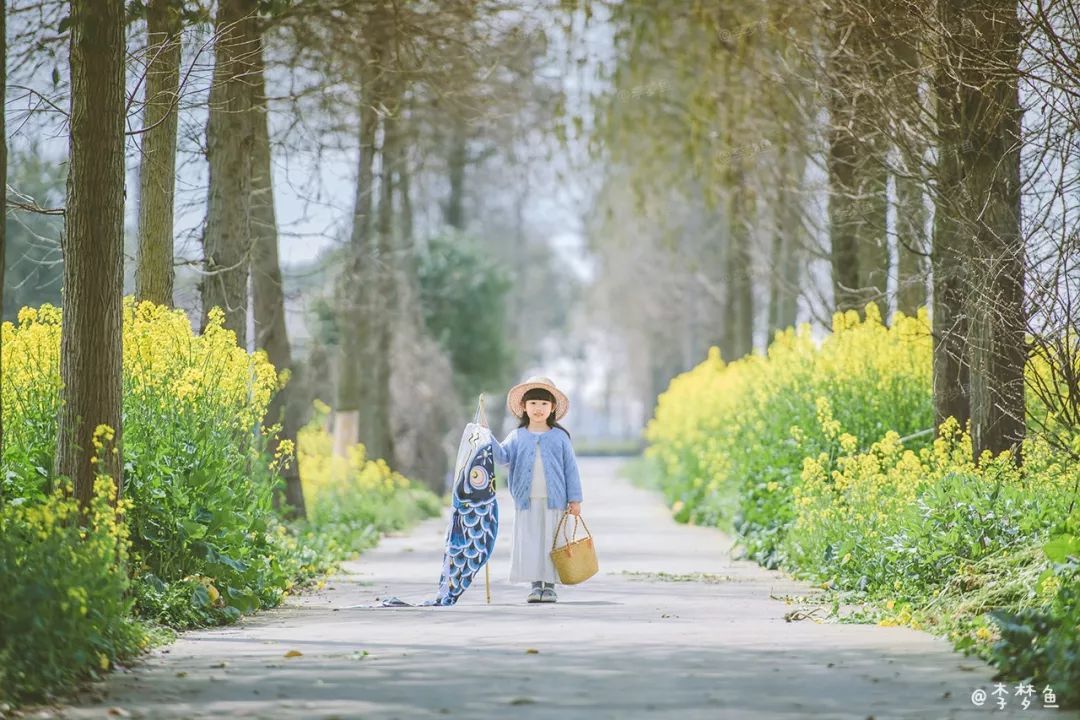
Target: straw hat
{"type": "Point", "coordinates": [513, 398]}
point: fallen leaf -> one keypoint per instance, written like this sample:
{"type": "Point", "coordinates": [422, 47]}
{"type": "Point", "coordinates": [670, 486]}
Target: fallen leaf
{"type": "Point", "coordinates": [523, 701]}
{"type": "Point", "coordinates": [532, 651]}
{"type": "Point", "coordinates": [294, 653]}
{"type": "Point", "coordinates": [119, 712]}
{"type": "Point", "coordinates": [182, 673]}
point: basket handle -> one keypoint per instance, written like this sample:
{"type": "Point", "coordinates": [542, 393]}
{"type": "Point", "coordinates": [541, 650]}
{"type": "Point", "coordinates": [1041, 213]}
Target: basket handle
{"type": "Point", "coordinates": [573, 535]}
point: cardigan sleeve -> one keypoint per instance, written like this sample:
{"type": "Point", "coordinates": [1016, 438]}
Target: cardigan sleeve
{"type": "Point", "coordinates": [505, 449]}
{"type": "Point", "coordinates": [570, 470]}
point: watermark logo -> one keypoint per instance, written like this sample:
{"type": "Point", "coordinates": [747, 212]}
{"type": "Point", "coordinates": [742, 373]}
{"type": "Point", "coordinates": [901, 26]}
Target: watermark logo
{"type": "Point", "coordinates": [742, 151]}
{"type": "Point", "coordinates": [729, 34]}
{"type": "Point", "coordinates": [658, 87]}
{"type": "Point", "coordinates": [1024, 696]}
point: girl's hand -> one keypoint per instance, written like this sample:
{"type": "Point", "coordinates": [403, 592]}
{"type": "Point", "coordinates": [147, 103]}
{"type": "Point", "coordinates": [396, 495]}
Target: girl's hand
{"type": "Point", "coordinates": [573, 508]}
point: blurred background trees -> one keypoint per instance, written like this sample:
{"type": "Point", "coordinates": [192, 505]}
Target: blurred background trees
{"type": "Point", "coordinates": [407, 204]}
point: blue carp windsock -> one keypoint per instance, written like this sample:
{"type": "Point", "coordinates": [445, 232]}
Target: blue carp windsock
{"type": "Point", "coordinates": [474, 522]}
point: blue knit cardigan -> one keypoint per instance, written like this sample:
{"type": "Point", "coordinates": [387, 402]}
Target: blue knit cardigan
{"type": "Point", "coordinates": [560, 466]}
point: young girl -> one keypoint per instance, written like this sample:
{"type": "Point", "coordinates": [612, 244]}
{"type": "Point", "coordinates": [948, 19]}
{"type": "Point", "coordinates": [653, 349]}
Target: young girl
{"type": "Point", "coordinates": [544, 481]}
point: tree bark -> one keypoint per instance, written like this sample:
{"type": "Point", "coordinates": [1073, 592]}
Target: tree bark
{"type": "Point", "coordinates": [357, 292]}
{"type": "Point", "coordinates": [990, 115]}
{"type": "Point", "coordinates": [872, 244]}
{"type": "Point", "coordinates": [157, 172]}
{"type": "Point", "coordinates": [911, 217]}
{"type": "Point", "coordinates": [856, 167]}
{"type": "Point", "coordinates": [230, 139]}
{"type": "Point", "coordinates": [90, 337]}
{"type": "Point", "coordinates": [408, 235]}
{"type": "Point", "coordinates": [739, 269]}
{"type": "Point", "coordinates": [787, 241]}
{"type": "Point", "coordinates": [906, 77]}
{"type": "Point", "coordinates": [794, 252]}
{"type": "Point", "coordinates": [911, 212]}
{"type": "Point", "coordinates": [842, 228]}
{"type": "Point", "coordinates": [951, 243]}
{"type": "Point", "coordinates": [268, 295]}
{"type": "Point", "coordinates": [3, 188]}
{"type": "Point", "coordinates": [379, 440]}
{"type": "Point", "coordinates": [776, 254]}
{"type": "Point", "coordinates": [454, 211]}
{"type": "Point", "coordinates": [738, 327]}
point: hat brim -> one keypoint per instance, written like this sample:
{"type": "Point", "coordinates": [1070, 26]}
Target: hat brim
{"type": "Point", "coordinates": [517, 408]}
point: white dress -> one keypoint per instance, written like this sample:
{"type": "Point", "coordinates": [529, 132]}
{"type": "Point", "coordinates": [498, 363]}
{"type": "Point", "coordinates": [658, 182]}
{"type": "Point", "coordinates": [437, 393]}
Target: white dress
{"type": "Point", "coordinates": [534, 530]}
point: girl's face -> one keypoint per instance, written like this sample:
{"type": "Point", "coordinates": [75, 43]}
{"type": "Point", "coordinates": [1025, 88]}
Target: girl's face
{"type": "Point", "coordinates": [538, 410]}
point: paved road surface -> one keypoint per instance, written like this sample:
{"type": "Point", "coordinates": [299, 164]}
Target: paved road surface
{"type": "Point", "coordinates": [626, 644]}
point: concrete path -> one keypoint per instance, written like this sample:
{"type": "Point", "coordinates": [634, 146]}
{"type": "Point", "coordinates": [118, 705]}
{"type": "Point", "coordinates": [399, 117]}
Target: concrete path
{"type": "Point", "coordinates": [627, 644]}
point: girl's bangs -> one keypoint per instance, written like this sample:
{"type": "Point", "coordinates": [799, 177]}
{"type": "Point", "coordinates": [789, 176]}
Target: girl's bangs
{"type": "Point", "coordinates": [538, 394]}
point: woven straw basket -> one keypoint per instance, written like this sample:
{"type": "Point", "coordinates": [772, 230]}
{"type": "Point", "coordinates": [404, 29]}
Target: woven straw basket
{"type": "Point", "coordinates": [575, 561]}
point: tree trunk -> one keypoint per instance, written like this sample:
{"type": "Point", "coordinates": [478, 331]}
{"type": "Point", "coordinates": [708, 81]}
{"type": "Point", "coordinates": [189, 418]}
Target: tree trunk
{"type": "Point", "coordinates": [987, 91]}
{"type": "Point", "coordinates": [230, 139]}
{"type": "Point", "coordinates": [856, 168]}
{"type": "Point", "coordinates": [872, 244]}
{"type": "Point", "coordinates": [268, 295]}
{"type": "Point", "coordinates": [408, 235]}
{"type": "Point", "coordinates": [379, 440]}
{"type": "Point", "coordinates": [911, 212]}
{"type": "Point", "coordinates": [951, 244]}
{"type": "Point", "coordinates": [787, 242]}
{"type": "Point", "coordinates": [357, 293]}
{"type": "Point", "coordinates": [374, 244]}
{"type": "Point", "coordinates": [422, 377]}
{"type": "Point", "coordinates": [776, 254]}
{"type": "Point", "coordinates": [351, 293]}
{"type": "Point", "coordinates": [3, 189]}
{"type": "Point", "coordinates": [454, 211]}
{"type": "Point", "coordinates": [739, 313]}
{"type": "Point", "coordinates": [843, 207]}
{"type": "Point", "coordinates": [313, 379]}
{"type": "Point", "coordinates": [90, 337]}
{"type": "Point", "coordinates": [911, 217]}
{"type": "Point", "coordinates": [796, 242]}
{"type": "Point", "coordinates": [740, 292]}
{"type": "Point", "coordinates": [157, 172]}
{"type": "Point", "coordinates": [729, 325]}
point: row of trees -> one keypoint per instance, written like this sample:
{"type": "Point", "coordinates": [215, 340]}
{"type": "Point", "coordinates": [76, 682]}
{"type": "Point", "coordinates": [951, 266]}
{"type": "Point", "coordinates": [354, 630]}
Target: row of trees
{"type": "Point", "coordinates": [425, 96]}
{"type": "Point", "coordinates": [843, 152]}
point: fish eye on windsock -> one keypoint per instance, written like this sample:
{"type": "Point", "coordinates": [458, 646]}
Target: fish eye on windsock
{"type": "Point", "coordinates": [475, 483]}
{"type": "Point", "coordinates": [478, 477]}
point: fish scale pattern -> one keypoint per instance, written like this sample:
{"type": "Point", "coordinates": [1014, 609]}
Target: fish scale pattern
{"type": "Point", "coordinates": [474, 521]}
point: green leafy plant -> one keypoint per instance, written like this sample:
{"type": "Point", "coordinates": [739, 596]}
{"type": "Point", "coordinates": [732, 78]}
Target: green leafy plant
{"type": "Point", "coordinates": [65, 613]}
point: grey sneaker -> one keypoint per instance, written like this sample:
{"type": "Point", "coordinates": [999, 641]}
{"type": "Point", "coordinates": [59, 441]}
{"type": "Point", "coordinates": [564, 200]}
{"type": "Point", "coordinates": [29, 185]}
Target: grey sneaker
{"type": "Point", "coordinates": [537, 594]}
{"type": "Point", "coordinates": [548, 595]}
